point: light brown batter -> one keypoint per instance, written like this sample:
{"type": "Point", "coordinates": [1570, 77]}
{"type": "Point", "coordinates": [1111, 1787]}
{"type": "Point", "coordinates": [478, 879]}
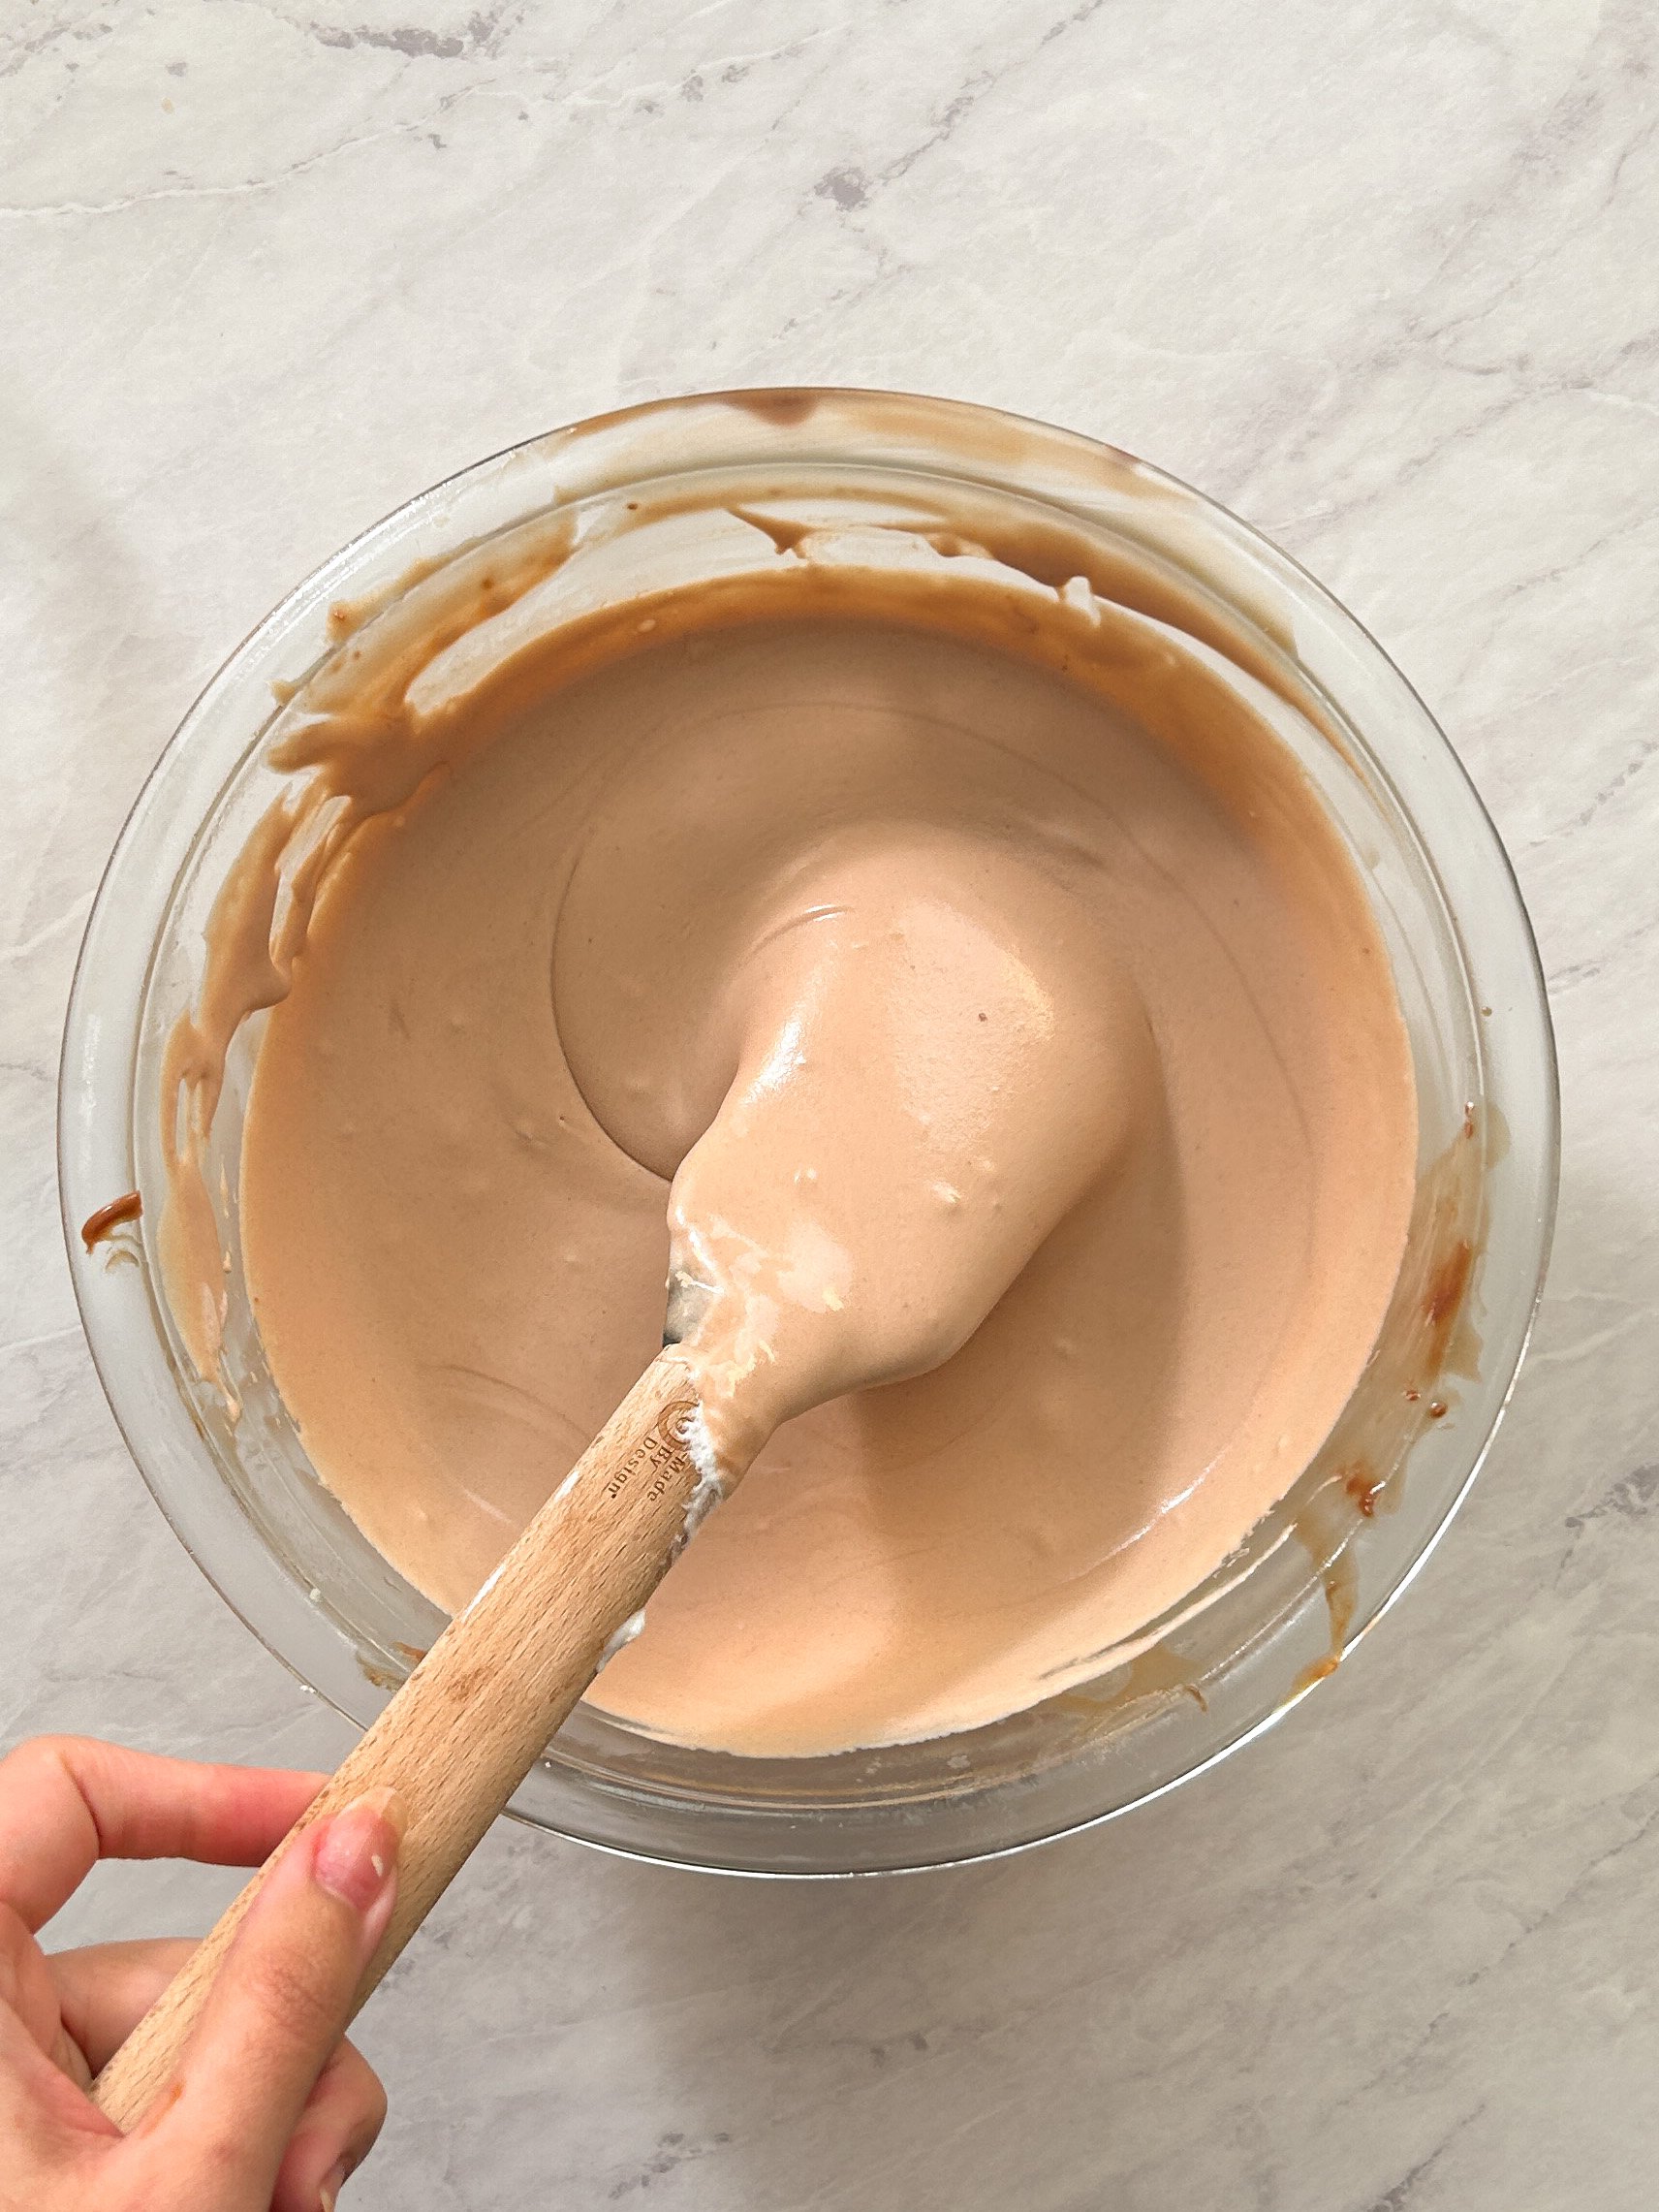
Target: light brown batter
{"type": "Point", "coordinates": [926, 912]}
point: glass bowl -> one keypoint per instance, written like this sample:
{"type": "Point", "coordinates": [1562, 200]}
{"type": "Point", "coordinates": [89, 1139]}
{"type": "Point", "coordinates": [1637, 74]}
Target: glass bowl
{"type": "Point", "coordinates": [1314, 1576]}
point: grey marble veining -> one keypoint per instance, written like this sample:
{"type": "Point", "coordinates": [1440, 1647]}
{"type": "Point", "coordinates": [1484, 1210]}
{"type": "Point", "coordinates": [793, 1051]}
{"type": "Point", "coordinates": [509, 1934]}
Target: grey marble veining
{"type": "Point", "coordinates": [1384, 280]}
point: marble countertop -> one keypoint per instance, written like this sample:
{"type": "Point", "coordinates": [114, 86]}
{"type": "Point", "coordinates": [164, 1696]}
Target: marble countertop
{"type": "Point", "coordinates": [1383, 279]}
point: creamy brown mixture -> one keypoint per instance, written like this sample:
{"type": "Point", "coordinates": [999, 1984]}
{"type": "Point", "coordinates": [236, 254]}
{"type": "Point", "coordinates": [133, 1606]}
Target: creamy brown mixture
{"type": "Point", "coordinates": [929, 935]}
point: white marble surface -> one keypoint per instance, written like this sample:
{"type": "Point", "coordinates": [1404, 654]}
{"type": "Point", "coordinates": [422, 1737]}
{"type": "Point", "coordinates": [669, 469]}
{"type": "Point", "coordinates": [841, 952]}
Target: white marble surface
{"type": "Point", "coordinates": [1384, 279]}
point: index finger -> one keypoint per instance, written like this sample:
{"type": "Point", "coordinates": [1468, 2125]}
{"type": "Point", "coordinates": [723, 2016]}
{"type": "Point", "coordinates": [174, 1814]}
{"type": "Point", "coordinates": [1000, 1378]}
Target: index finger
{"type": "Point", "coordinates": [68, 1801]}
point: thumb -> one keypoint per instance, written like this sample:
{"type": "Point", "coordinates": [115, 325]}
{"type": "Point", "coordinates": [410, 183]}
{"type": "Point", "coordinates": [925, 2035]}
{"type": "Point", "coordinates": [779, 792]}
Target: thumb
{"type": "Point", "coordinates": [280, 2003]}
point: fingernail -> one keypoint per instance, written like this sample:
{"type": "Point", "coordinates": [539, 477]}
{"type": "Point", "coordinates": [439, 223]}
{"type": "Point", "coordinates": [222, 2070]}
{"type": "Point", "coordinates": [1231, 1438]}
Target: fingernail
{"type": "Point", "coordinates": [356, 1851]}
{"type": "Point", "coordinates": [330, 2184]}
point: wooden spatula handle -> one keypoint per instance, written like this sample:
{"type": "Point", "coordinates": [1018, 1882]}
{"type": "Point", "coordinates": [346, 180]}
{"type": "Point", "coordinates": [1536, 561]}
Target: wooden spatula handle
{"type": "Point", "coordinates": [470, 1721]}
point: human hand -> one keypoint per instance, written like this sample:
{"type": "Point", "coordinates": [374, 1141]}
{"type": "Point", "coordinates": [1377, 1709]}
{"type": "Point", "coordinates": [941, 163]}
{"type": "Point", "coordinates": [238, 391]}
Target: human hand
{"type": "Point", "coordinates": [269, 2109]}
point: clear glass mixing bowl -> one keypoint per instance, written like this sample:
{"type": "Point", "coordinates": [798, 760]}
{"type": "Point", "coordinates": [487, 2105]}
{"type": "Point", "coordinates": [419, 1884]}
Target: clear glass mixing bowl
{"type": "Point", "coordinates": [1318, 1571]}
